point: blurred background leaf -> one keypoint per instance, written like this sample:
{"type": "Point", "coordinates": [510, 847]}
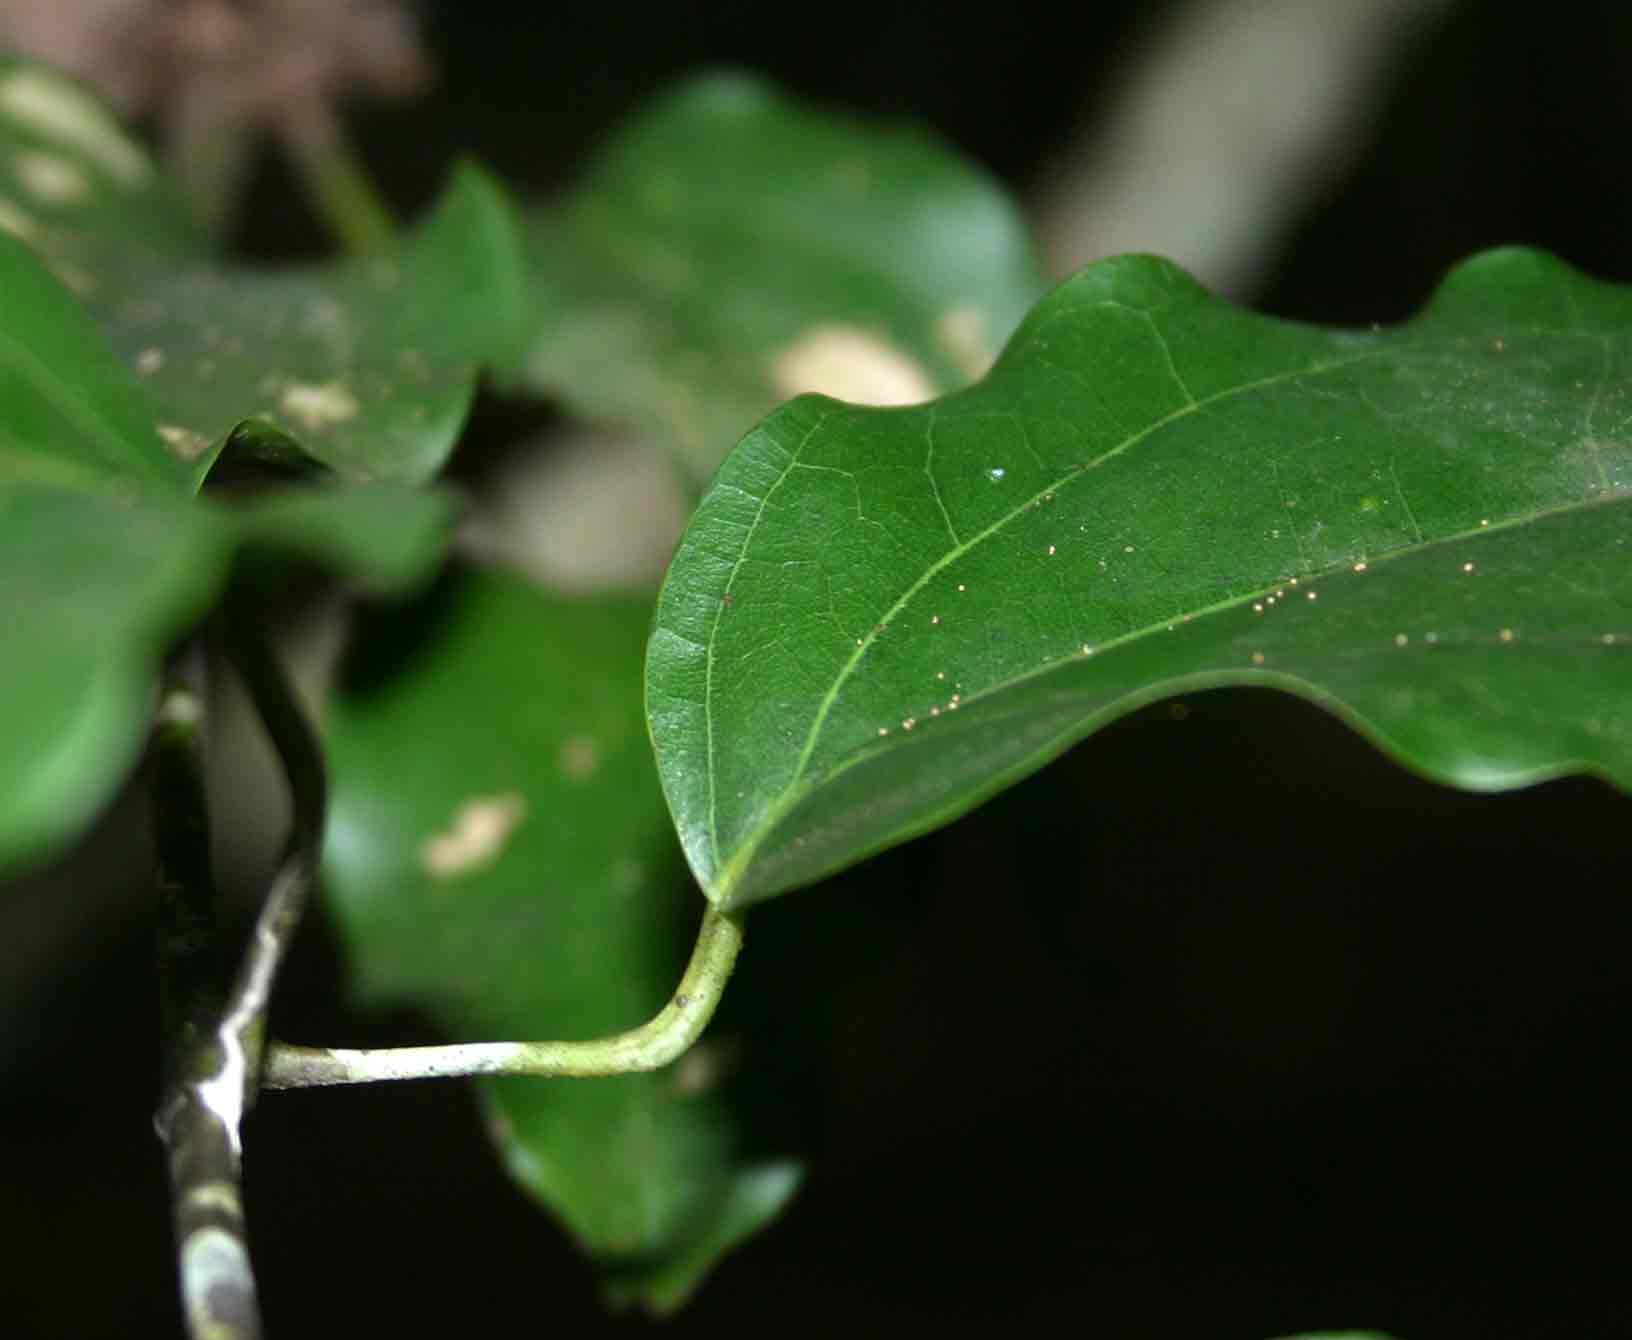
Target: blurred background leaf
{"type": "Point", "coordinates": [499, 855]}
{"type": "Point", "coordinates": [364, 367]}
{"type": "Point", "coordinates": [732, 247]}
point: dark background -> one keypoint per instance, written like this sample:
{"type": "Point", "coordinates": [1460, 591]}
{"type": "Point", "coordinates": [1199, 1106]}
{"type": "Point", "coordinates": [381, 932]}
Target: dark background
{"type": "Point", "coordinates": [1221, 1026]}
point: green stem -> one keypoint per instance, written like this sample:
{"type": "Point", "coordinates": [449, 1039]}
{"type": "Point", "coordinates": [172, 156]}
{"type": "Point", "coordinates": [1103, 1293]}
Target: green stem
{"type": "Point", "coordinates": [654, 1044]}
{"type": "Point", "coordinates": [335, 180]}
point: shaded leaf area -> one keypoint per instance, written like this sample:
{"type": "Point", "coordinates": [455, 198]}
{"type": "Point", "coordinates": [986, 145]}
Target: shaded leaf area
{"type": "Point", "coordinates": [879, 618]}
{"type": "Point", "coordinates": [365, 367]}
{"type": "Point", "coordinates": [499, 854]}
{"type": "Point", "coordinates": [731, 248]}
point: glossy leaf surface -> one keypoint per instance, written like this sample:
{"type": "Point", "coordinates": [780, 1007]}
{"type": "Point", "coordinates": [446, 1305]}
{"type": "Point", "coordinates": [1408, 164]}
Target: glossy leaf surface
{"type": "Point", "coordinates": [499, 854]}
{"type": "Point", "coordinates": [878, 618]}
{"type": "Point", "coordinates": [731, 248]}
{"type": "Point", "coordinates": [365, 367]}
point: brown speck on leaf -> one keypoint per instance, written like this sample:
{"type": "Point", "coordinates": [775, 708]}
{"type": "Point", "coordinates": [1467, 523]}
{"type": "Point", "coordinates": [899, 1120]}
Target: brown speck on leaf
{"type": "Point", "coordinates": [728, 600]}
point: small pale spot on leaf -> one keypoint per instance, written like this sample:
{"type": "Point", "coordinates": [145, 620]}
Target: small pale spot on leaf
{"type": "Point", "coordinates": [578, 758]}
{"type": "Point", "coordinates": [317, 406]}
{"type": "Point", "coordinates": [50, 105]}
{"type": "Point", "coordinates": [475, 839]}
{"type": "Point", "coordinates": [852, 365]}
{"type": "Point", "coordinates": [149, 361]}
{"type": "Point", "coordinates": [961, 332]}
{"type": "Point", "coordinates": [184, 441]}
{"type": "Point", "coordinates": [50, 179]}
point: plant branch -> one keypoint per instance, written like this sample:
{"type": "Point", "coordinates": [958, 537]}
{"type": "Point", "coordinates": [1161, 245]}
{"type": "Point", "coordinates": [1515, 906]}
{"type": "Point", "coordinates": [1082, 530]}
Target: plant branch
{"type": "Point", "coordinates": [217, 1285]}
{"type": "Point", "coordinates": [652, 1045]}
{"type": "Point", "coordinates": [315, 140]}
{"type": "Point", "coordinates": [217, 1036]}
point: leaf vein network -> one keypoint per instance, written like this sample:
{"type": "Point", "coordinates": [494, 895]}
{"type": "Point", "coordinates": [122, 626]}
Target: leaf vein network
{"type": "Point", "coordinates": [714, 628]}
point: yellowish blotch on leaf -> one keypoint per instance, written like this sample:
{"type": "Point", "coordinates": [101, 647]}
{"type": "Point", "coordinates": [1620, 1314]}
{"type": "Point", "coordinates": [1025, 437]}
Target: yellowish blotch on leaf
{"type": "Point", "coordinates": [318, 405]}
{"type": "Point", "coordinates": [850, 364]}
{"type": "Point", "coordinates": [184, 441]}
{"type": "Point", "coordinates": [474, 841]}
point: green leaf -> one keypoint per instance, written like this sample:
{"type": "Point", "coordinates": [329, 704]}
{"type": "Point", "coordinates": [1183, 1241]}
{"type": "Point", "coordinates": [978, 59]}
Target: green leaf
{"type": "Point", "coordinates": [498, 853]}
{"type": "Point", "coordinates": [730, 248]}
{"type": "Point", "coordinates": [103, 560]}
{"type": "Point", "coordinates": [879, 618]}
{"type": "Point", "coordinates": [95, 586]}
{"type": "Point", "coordinates": [366, 367]}
{"type": "Point", "coordinates": [69, 413]}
